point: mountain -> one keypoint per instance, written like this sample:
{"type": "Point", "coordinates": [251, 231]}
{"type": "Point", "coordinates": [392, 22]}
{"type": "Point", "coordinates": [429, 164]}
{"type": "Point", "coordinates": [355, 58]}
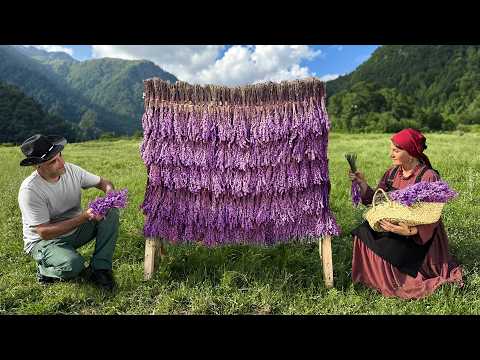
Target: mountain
{"type": "Point", "coordinates": [116, 84]}
{"type": "Point", "coordinates": [100, 95]}
{"type": "Point", "coordinates": [113, 84]}
{"type": "Point", "coordinates": [36, 80]}
{"type": "Point", "coordinates": [52, 91]}
{"type": "Point", "coordinates": [431, 87]}
{"type": "Point", "coordinates": [21, 117]}
{"type": "Point", "coordinates": [58, 61]}
{"type": "Point", "coordinates": [431, 81]}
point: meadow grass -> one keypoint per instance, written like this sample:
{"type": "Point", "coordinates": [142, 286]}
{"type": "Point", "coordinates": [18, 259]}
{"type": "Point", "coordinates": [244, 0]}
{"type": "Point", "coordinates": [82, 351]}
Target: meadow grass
{"type": "Point", "coordinates": [284, 279]}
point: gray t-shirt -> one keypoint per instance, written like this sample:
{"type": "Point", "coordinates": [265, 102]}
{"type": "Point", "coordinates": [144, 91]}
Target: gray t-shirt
{"type": "Point", "coordinates": [41, 201]}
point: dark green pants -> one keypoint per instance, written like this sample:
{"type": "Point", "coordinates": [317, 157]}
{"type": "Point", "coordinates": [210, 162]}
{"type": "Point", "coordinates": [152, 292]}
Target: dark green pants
{"type": "Point", "coordinates": [58, 258]}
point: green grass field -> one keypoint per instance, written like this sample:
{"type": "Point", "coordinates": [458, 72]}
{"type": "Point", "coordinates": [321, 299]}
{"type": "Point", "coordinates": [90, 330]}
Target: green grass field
{"type": "Point", "coordinates": [285, 279]}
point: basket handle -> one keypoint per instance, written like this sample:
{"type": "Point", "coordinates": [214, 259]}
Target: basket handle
{"type": "Point", "coordinates": [384, 194]}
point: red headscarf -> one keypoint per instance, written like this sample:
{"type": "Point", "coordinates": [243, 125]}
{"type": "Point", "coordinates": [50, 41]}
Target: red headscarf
{"type": "Point", "coordinates": [413, 142]}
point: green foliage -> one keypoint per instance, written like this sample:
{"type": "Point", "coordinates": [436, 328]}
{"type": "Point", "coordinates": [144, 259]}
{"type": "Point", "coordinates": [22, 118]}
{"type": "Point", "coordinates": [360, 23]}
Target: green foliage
{"type": "Point", "coordinates": [469, 128]}
{"type": "Point", "coordinates": [368, 108]}
{"type": "Point", "coordinates": [88, 126]}
{"type": "Point", "coordinates": [420, 84]}
{"type": "Point", "coordinates": [138, 134]}
{"type": "Point", "coordinates": [116, 84]}
{"type": "Point", "coordinates": [21, 117]}
{"type": "Point", "coordinates": [108, 90]}
{"type": "Point", "coordinates": [470, 118]}
{"type": "Point", "coordinates": [283, 279]}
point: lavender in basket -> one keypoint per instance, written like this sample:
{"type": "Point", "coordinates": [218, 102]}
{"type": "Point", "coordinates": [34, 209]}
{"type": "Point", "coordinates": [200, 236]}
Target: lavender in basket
{"type": "Point", "coordinates": [423, 191]}
{"type": "Point", "coordinates": [114, 199]}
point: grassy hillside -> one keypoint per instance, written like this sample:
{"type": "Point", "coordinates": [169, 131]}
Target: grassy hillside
{"type": "Point", "coordinates": [283, 279]}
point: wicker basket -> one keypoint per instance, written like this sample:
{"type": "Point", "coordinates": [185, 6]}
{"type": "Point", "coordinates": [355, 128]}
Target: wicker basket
{"type": "Point", "coordinates": [417, 214]}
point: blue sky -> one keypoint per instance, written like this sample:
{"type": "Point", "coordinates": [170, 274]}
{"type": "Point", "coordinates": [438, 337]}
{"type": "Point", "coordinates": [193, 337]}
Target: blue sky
{"type": "Point", "coordinates": [340, 59]}
{"type": "Point", "coordinates": [81, 52]}
{"type": "Point", "coordinates": [239, 64]}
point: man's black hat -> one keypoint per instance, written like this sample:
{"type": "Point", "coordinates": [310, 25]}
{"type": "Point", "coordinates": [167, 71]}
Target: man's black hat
{"type": "Point", "coordinates": [40, 148]}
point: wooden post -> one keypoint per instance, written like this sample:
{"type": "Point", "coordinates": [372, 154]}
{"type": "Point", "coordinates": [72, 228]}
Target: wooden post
{"type": "Point", "coordinates": [151, 245]}
{"type": "Point", "coordinates": [325, 252]}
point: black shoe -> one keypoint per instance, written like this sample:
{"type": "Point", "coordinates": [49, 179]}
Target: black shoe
{"type": "Point", "coordinates": [103, 278]}
{"type": "Point", "coordinates": [44, 280]}
{"type": "Point", "coordinates": [86, 273]}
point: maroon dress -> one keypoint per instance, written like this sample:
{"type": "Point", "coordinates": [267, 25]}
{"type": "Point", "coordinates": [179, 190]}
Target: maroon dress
{"type": "Point", "coordinates": [437, 268]}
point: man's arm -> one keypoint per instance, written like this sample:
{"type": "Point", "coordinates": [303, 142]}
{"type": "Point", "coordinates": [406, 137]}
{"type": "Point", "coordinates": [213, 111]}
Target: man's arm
{"type": "Point", "coordinates": [105, 185]}
{"type": "Point", "coordinates": [50, 231]}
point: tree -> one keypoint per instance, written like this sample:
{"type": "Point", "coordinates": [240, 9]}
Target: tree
{"type": "Point", "coordinates": [88, 125]}
{"type": "Point", "coordinates": [431, 119]}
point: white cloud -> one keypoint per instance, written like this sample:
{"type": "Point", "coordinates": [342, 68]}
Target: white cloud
{"type": "Point", "coordinates": [329, 77]}
{"type": "Point", "coordinates": [338, 47]}
{"type": "Point", "coordinates": [184, 61]}
{"type": "Point", "coordinates": [54, 48]}
{"type": "Point", "coordinates": [209, 64]}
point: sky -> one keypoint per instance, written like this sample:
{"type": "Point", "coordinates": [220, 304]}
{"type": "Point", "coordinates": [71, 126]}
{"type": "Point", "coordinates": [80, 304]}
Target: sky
{"type": "Point", "coordinates": [234, 65]}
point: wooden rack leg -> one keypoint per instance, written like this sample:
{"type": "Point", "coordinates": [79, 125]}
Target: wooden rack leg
{"type": "Point", "coordinates": [325, 251]}
{"type": "Point", "coordinates": [152, 246]}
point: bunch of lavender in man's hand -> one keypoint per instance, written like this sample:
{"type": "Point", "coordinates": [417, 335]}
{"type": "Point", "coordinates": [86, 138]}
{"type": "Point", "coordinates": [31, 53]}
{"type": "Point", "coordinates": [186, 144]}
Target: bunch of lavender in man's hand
{"type": "Point", "coordinates": [114, 199]}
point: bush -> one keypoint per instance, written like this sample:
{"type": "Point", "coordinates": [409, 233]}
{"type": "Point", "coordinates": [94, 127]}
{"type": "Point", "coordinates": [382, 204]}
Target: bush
{"type": "Point", "coordinates": [138, 134]}
{"type": "Point", "coordinates": [463, 128]}
{"type": "Point", "coordinates": [475, 128]}
{"type": "Point", "coordinates": [107, 136]}
{"type": "Point", "coordinates": [448, 125]}
{"type": "Point", "coordinates": [469, 118]}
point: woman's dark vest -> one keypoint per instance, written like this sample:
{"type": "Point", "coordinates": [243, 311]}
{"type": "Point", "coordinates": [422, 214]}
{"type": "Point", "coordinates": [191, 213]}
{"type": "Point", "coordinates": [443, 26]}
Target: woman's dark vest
{"type": "Point", "coordinates": [400, 251]}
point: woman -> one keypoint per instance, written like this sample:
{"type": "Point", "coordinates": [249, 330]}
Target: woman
{"type": "Point", "coordinates": [409, 262]}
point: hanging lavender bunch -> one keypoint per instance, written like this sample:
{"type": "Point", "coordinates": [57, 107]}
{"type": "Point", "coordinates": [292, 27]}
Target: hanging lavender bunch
{"type": "Point", "coordinates": [436, 191]}
{"type": "Point", "coordinates": [355, 189]}
{"type": "Point", "coordinates": [236, 165]}
{"type": "Point", "coordinates": [114, 199]}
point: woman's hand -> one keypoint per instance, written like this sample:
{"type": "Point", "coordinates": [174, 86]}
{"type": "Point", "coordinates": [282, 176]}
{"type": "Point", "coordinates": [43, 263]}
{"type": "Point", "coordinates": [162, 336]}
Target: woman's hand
{"type": "Point", "coordinates": [400, 229]}
{"type": "Point", "coordinates": [357, 176]}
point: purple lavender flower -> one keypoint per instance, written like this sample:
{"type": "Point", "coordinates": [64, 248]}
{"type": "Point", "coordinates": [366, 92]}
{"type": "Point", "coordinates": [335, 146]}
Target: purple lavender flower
{"type": "Point", "coordinates": [435, 191]}
{"type": "Point", "coordinates": [114, 199]}
{"type": "Point", "coordinates": [236, 165]}
{"type": "Point", "coordinates": [355, 191]}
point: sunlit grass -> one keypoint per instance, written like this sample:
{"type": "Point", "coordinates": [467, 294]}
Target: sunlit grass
{"type": "Point", "coordinates": [285, 279]}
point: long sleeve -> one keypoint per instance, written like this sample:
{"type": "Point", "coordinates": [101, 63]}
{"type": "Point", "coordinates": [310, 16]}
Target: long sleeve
{"type": "Point", "coordinates": [367, 198]}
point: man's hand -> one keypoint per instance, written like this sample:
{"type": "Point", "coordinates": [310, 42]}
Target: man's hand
{"type": "Point", "coordinates": [91, 216]}
{"type": "Point", "coordinates": [400, 229]}
{"type": "Point", "coordinates": [105, 185]}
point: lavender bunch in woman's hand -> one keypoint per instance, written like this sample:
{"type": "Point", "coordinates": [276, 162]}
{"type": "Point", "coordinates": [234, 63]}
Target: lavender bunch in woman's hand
{"type": "Point", "coordinates": [352, 161]}
{"type": "Point", "coordinates": [436, 191]}
{"type": "Point", "coordinates": [355, 191]}
{"type": "Point", "coordinates": [114, 199]}
{"type": "Point", "coordinates": [355, 188]}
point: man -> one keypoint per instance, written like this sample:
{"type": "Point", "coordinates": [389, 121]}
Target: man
{"type": "Point", "coordinates": [54, 224]}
